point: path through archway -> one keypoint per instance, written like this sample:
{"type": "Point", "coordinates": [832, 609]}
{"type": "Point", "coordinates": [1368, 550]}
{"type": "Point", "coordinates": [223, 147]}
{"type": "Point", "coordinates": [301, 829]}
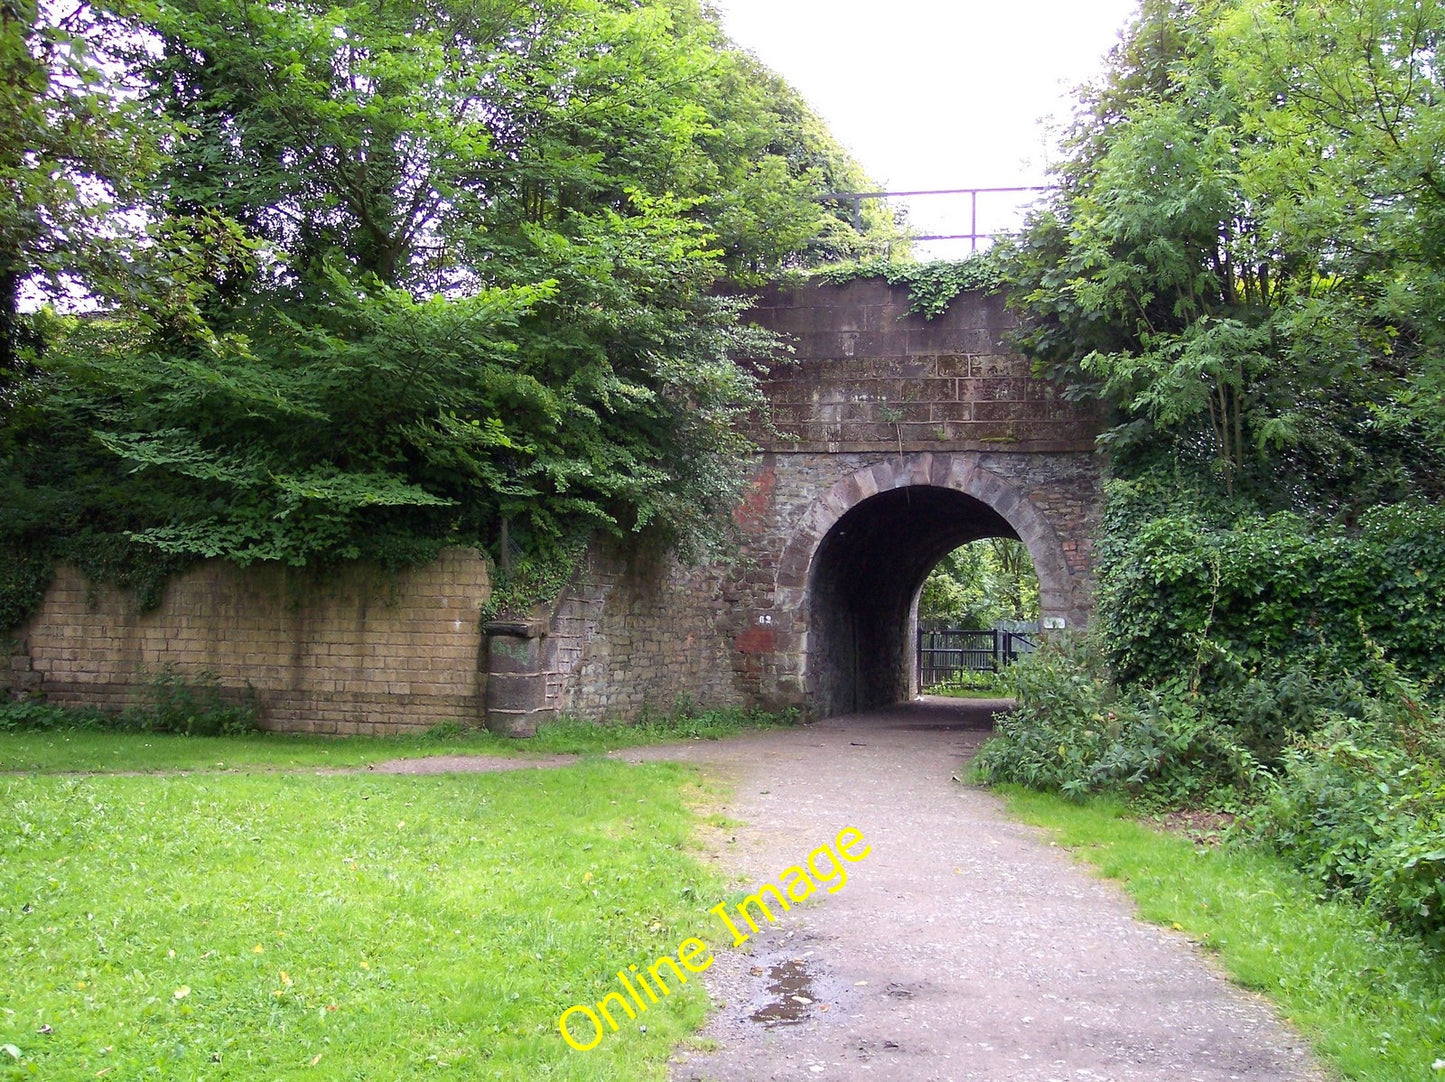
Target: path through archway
{"type": "Point", "coordinates": [865, 583]}
{"type": "Point", "coordinates": [870, 542]}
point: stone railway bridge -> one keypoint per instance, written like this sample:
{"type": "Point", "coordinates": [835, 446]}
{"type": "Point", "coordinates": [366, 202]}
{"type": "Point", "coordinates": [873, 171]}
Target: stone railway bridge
{"type": "Point", "coordinates": [894, 440]}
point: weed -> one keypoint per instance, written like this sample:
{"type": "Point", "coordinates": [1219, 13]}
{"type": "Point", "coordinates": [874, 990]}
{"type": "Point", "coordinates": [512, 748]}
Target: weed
{"type": "Point", "coordinates": [170, 702]}
{"type": "Point", "coordinates": [194, 704]}
{"type": "Point", "coordinates": [970, 683]}
{"type": "Point", "coordinates": [446, 730]}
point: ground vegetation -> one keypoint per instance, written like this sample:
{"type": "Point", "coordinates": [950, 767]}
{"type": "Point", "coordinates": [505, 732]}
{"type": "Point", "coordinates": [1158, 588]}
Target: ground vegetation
{"type": "Point", "coordinates": [982, 584]}
{"type": "Point", "coordinates": [355, 924]}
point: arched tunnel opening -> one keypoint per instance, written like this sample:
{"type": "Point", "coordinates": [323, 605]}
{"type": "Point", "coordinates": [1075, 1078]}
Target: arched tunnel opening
{"type": "Point", "coordinates": [864, 585]}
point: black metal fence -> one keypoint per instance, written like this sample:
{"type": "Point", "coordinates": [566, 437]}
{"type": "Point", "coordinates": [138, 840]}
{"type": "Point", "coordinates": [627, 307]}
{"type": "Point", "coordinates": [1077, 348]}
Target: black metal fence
{"type": "Point", "coordinates": [950, 656]}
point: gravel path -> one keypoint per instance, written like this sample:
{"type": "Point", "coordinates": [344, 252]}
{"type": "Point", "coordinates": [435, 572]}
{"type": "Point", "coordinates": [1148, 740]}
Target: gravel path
{"type": "Point", "coordinates": [962, 947]}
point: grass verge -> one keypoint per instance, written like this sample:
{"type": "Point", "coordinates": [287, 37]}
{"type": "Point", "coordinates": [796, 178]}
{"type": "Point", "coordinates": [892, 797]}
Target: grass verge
{"type": "Point", "coordinates": [237, 926]}
{"type": "Point", "coordinates": [969, 693]}
{"type": "Point", "coordinates": [82, 750]}
{"type": "Point", "coordinates": [1371, 1002]}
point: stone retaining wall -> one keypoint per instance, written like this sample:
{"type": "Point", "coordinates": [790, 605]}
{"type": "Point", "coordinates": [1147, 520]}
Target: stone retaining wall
{"type": "Point", "coordinates": [356, 651]}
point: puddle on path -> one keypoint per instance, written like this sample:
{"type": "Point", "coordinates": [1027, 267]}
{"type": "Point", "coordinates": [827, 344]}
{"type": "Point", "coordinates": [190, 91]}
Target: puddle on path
{"type": "Point", "coordinates": [792, 989]}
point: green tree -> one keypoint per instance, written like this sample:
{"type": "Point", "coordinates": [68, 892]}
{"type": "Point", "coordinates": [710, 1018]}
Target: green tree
{"type": "Point", "coordinates": [1239, 255]}
{"type": "Point", "coordinates": [71, 157]}
{"type": "Point", "coordinates": [1346, 97]}
{"type": "Point", "coordinates": [980, 584]}
{"type": "Point", "coordinates": [420, 142]}
{"type": "Point", "coordinates": [428, 273]}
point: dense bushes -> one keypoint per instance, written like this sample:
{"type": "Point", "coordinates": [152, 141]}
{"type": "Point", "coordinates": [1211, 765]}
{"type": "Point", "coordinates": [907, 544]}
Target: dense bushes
{"type": "Point", "coordinates": [1267, 590]}
{"type": "Point", "coordinates": [1074, 732]}
{"type": "Point", "coordinates": [1360, 806]}
{"type": "Point", "coordinates": [1259, 310]}
{"type": "Point", "coordinates": [1346, 782]}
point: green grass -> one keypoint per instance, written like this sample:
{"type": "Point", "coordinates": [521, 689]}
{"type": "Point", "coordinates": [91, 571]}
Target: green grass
{"type": "Point", "coordinates": [278, 926]}
{"type": "Point", "coordinates": [101, 751]}
{"type": "Point", "coordinates": [967, 693]}
{"type": "Point", "coordinates": [967, 684]}
{"type": "Point", "coordinates": [1371, 1002]}
{"type": "Point", "coordinates": [98, 751]}
{"type": "Point", "coordinates": [585, 737]}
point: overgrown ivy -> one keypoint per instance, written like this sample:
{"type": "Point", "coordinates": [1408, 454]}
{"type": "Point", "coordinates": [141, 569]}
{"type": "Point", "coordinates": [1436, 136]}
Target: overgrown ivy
{"type": "Point", "coordinates": [115, 560]}
{"type": "Point", "coordinates": [25, 575]}
{"type": "Point", "coordinates": [932, 286]}
{"type": "Point", "coordinates": [1182, 592]}
{"type": "Point", "coordinates": [526, 580]}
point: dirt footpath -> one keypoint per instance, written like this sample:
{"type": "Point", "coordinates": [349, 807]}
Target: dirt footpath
{"type": "Point", "coordinates": [963, 947]}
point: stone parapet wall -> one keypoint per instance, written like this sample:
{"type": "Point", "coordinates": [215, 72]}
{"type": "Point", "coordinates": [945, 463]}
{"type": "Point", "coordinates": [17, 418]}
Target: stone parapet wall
{"type": "Point", "coordinates": [869, 375]}
{"type": "Point", "coordinates": [353, 651]}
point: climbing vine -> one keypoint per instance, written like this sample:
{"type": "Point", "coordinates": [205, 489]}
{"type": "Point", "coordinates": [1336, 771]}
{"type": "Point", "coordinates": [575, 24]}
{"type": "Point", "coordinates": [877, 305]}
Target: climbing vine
{"type": "Point", "coordinates": [932, 286]}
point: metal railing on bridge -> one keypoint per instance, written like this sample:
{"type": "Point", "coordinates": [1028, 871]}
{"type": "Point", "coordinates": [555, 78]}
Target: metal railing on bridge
{"type": "Point", "coordinates": [1021, 197]}
{"type": "Point", "coordinates": [949, 657]}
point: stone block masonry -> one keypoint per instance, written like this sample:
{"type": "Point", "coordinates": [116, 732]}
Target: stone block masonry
{"type": "Point", "coordinates": [637, 631]}
{"type": "Point", "coordinates": [355, 651]}
{"type": "Point", "coordinates": [868, 375]}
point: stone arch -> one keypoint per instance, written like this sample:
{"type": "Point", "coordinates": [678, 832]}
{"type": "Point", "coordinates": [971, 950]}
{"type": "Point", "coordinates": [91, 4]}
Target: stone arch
{"type": "Point", "coordinates": [850, 573]}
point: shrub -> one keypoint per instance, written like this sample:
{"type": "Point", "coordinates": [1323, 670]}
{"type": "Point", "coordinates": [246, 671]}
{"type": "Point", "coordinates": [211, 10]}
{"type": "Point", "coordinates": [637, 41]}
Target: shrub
{"type": "Point", "coordinates": [1179, 587]}
{"type": "Point", "coordinates": [1269, 706]}
{"type": "Point", "coordinates": [171, 703]}
{"type": "Point", "coordinates": [1071, 732]}
{"type": "Point", "coordinates": [1361, 808]}
{"type": "Point", "coordinates": [36, 715]}
{"type": "Point", "coordinates": [194, 705]}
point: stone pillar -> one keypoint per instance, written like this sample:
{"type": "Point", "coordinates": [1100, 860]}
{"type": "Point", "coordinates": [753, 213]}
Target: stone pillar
{"type": "Point", "coordinates": [516, 676]}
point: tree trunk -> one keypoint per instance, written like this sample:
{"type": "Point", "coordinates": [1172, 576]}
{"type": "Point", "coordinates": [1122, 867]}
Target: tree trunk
{"type": "Point", "coordinates": [9, 329]}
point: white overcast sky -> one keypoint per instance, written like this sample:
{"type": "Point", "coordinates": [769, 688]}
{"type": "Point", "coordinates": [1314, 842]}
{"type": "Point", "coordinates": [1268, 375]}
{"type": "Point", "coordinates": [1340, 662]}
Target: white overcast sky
{"type": "Point", "coordinates": [934, 94]}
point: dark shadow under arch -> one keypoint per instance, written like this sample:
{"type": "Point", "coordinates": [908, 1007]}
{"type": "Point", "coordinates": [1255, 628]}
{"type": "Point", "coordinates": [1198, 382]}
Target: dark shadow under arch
{"type": "Point", "coordinates": [863, 589]}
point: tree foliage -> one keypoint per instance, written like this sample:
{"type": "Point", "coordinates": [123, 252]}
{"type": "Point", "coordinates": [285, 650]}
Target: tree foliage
{"type": "Point", "coordinates": [1244, 258]}
{"type": "Point", "coordinates": [403, 275]}
{"type": "Point", "coordinates": [72, 154]}
{"type": "Point", "coordinates": [1244, 253]}
{"type": "Point", "coordinates": [980, 585]}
